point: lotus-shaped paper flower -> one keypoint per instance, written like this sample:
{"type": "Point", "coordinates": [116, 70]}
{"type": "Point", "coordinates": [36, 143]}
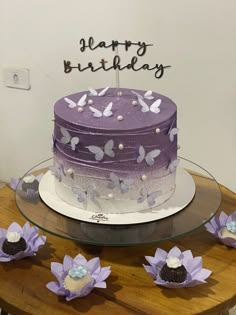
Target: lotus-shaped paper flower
{"type": "Point", "coordinates": [176, 269]}
{"type": "Point", "coordinates": [77, 277]}
{"type": "Point", "coordinates": [18, 242]}
{"type": "Point", "coordinates": [27, 187]}
{"type": "Point", "coordinates": [224, 228]}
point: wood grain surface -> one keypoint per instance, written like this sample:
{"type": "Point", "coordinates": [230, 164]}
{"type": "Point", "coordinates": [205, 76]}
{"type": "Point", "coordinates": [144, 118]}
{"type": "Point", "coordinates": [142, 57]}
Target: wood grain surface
{"type": "Point", "coordinates": [129, 288]}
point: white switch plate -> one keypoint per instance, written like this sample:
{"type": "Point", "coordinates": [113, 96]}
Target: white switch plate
{"type": "Point", "coordinates": [16, 78]}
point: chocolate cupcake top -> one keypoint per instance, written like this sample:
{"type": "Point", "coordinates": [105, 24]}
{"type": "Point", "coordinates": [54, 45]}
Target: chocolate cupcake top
{"type": "Point", "coordinates": [173, 271]}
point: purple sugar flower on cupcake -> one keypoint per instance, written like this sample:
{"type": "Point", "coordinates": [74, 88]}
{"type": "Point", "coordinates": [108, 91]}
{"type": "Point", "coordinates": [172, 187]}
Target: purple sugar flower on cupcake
{"type": "Point", "coordinates": [77, 277]}
{"type": "Point", "coordinates": [224, 228]}
{"type": "Point", "coordinates": [176, 269]}
{"type": "Point", "coordinates": [18, 242]}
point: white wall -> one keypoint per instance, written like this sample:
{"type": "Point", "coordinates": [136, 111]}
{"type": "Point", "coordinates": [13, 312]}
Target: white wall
{"type": "Point", "coordinates": [196, 37]}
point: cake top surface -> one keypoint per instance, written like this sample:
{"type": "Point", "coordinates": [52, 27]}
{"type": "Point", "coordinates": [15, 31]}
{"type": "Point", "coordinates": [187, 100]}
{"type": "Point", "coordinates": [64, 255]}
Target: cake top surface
{"type": "Point", "coordinates": [118, 109]}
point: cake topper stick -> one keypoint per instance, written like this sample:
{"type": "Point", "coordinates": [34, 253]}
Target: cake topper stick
{"type": "Point", "coordinates": [117, 72]}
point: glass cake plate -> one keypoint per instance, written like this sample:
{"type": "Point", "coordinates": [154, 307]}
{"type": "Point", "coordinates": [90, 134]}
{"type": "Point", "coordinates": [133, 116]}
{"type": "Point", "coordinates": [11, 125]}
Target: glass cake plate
{"type": "Point", "coordinates": [203, 206]}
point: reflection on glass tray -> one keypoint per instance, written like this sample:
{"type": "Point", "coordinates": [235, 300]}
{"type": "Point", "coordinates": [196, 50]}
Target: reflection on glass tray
{"type": "Point", "coordinates": [203, 206]}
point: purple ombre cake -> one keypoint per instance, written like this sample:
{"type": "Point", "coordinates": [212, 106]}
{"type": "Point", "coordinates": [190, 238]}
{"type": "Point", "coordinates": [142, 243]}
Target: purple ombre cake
{"type": "Point", "coordinates": [115, 150]}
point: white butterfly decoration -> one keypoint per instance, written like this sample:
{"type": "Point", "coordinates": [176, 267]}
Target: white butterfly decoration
{"type": "Point", "coordinates": [121, 184]}
{"type": "Point", "coordinates": [154, 108]}
{"type": "Point", "coordinates": [148, 95]}
{"type": "Point", "coordinates": [172, 133]}
{"type": "Point", "coordinates": [173, 165]}
{"type": "Point", "coordinates": [149, 157]}
{"type": "Point", "coordinates": [150, 197]}
{"type": "Point", "coordinates": [84, 195]}
{"type": "Point", "coordinates": [99, 152]}
{"type": "Point", "coordinates": [72, 104]}
{"type": "Point", "coordinates": [93, 92]}
{"type": "Point", "coordinates": [82, 100]}
{"type": "Point", "coordinates": [106, 113]}
{"type": "Point", "coordinates": [68, 139]}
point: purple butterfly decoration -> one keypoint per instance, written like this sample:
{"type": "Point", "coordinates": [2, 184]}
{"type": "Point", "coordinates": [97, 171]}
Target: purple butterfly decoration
{"type": "Point", "coordinates": [149, 197]}
{"type": "Point", "coordinates": [84, 195]}
{"type": "Point", "coordinates": [149, 157]}
{"type": "Point", "coordinates": [58, 171]}
{"type": "Point", "coordinates": [122, 184]}
{"type": "Point", "coordinates": [67, 139]}
{"type": "Point", "coordinates": [100, 152]}
{"type": "Point", "coordinates": [54, 142]}
{"type": "Point", "coordinates": [173, 165]}
{"type": "Point", "coordinates": [172, 133]}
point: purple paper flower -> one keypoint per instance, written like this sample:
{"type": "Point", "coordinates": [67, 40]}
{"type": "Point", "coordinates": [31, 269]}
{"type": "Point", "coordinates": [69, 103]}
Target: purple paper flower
{"type": "Point", "coordinates": [18, 242]}
{"type": "Point", "coordinates": [27, 187]}
{"type": "Point", "coordinates": [77, 277]}
{"type": "Point", "coordinates": [176, 269]}
{"type": "Point", "coordinates": [14, 182]}
{"type": "Point", "coordinates": [224, 228]}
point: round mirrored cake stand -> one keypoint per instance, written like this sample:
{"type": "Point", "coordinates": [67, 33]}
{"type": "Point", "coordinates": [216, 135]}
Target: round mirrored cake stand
{"type": "Point", "coordinates": [201, 209]}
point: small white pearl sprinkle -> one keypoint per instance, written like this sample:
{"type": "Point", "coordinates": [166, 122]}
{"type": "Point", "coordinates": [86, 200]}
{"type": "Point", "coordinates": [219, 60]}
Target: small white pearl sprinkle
{"type": "Point", "coordinates": [134, 103]}
{"type": "Point", "coordinates": [90, 102]}
{"type": "Point", "coordinates": [144, 177]}
{"type": "Point", "coordinates": [70, 171]}
{"type": "Point", "coordinates": [178, 147]}
{"type": "Point", "coordinates": [158, 130]}
{"type": "Point", "coordinates": [80, 109]}
{"type": "Point", "coordinates": [120, 117]}
{"type": "Point", "coordinates": [121, 146]}
{"type": "Point", "coordinates": [119, 93]}
{"type": "Point", "coordinates": [110, 196]}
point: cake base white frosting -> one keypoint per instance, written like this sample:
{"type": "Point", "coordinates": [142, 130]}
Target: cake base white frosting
{"type": "Point", "coordinates": [109, 200]}
{"type": "Point", "coordinates": [182, 196]}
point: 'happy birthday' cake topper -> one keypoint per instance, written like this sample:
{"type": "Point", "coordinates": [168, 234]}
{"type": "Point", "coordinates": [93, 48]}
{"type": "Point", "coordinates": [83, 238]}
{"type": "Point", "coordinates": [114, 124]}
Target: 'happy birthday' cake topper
{"type": "Point", "coordinates": [116, 64]}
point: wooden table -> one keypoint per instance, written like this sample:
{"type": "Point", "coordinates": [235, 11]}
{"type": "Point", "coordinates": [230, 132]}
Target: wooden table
{"type": "Point", "coordinates": [130, 289]}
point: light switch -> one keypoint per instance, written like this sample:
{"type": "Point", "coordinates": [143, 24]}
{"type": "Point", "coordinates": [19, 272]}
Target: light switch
{"type": "Point", "coordinates": [17, 78]}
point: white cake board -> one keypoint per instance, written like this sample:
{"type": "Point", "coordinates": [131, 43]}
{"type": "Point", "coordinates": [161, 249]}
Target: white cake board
{"type": "Point", "coordinates": [183, 195]}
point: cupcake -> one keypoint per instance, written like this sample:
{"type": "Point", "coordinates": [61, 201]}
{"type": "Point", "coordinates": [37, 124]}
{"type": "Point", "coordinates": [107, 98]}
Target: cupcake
{"type": "Point", "coordinates": [27, 187]}
{"type": "Point", "coordinates": [13, 243]}
{"type": "Point", "coordinates": [176, 269]}
{"type": "Point", "coordinates": [77, 278]}
{"type": "Point", "coordinates": [173, 270]}
{"type": "Point", "coordinates": [30, 182]}
{"type": "Point", "coordinates": [224, 228]}
{"type": "Point", "coordinates": [229, 230]}
{"type": "Point", "coordinates": [18, 242]}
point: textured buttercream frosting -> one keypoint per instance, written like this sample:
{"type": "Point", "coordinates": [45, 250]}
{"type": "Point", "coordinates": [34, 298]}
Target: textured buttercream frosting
{"type": "Point", "coordinates": [125, 139]}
